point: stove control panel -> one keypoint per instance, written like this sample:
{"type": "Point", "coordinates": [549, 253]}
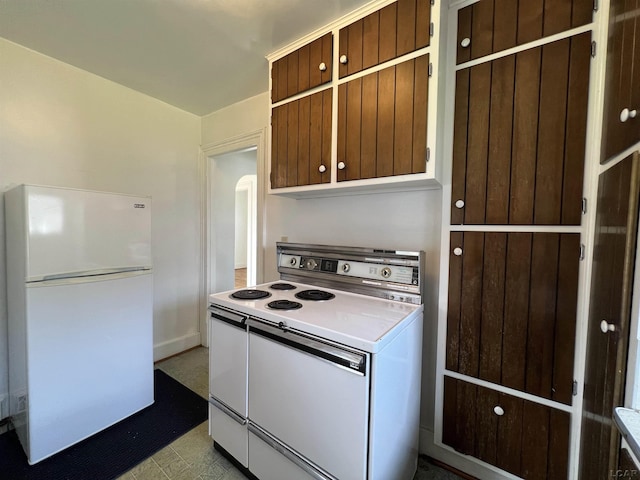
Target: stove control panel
{"type": "Point", "coordinates": [390, 274]}
{"type": "Point", "coordinates": [367, 270]}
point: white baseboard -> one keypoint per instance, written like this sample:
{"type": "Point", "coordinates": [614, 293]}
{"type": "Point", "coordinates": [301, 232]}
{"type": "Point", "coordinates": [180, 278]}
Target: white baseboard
{"type": "Point", "coordinates": [175, 346]}
{"type": "Point", "coordinates": [461, 462]}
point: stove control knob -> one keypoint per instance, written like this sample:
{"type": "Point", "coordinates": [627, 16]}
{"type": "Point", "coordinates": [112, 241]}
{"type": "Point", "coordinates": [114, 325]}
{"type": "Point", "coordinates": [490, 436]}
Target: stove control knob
{"type": "Point", "coordinates": [386, 272]}
{"type": "Point", "coordinates": [346, 267]}
{"type": "Point", "coordinates": [293, 262]}
{"type": "Point", "coordinates": [311, 264]}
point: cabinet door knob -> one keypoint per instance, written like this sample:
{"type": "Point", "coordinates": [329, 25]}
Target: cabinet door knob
{"type": "Point", "coordinates": [633, 113]}
{"type": "Point", "coordinates": [459, 203]}
{"type": "Point", "coordinates": [322, 169]}
{"type": "Point", "coordinates": [341, 165]}
{"type": "Point", "coordinates": [343, 59]}
{"type": "Point", "coordinates": [498, 410]}
{"type": "Point", "coordinates": [457, 251]}
{"type": "Point", "coordinates": [465, 42]}
{"type": "Point", "coordinates": [323, 67]}
{"type": "Point", "coordinates": [607, 327]}
{"type": "Point", "coordinates": [624, 115]}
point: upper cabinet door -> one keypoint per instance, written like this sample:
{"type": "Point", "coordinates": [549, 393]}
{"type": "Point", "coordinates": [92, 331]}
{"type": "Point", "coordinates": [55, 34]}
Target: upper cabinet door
{"type": "Point", "coordinates": [399, 28]}
{"type": "Point", "coordinates": [303, 69]}
{"type": "Point", "coordinates": [382, 122]}
{"type": "Point", "coordinates": [519, 136]}
{"type": "Point", "coordinates": [490, 26]}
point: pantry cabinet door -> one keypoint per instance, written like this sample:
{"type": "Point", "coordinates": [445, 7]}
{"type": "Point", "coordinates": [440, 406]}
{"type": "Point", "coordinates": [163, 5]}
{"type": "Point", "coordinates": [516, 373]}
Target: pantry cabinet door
{"type": "Point", "coordinates": [522, 437]}
{"type": "Point", "coordinates": [382, 122]}
{"type": "Point", "coordinates": [490, 26]}
{"type": "Point", "coordinates": [612, 277]}
{"type": "Point", "coordinates": [621, 126]}
{"type": "Point", "coordinates": [519, 137]}
{"type": "Point", "coordinates": [301, 141]}
{"type": "Point", "coordinates": [511, 318]}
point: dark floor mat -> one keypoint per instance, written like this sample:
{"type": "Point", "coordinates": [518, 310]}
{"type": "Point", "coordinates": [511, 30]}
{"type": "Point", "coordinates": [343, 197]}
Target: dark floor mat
{"type": "Point", "coordinates": [114, 451]}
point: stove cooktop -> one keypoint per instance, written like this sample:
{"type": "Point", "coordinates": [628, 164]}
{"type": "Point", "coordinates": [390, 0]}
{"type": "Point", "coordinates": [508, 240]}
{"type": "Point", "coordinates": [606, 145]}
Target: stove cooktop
{"type": "Point", "coordinates": [360, 321]}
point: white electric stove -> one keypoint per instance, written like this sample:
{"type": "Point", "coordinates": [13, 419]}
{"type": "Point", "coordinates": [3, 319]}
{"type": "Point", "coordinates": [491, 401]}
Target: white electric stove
{"type": "Point", "coordinates": [318, 375]}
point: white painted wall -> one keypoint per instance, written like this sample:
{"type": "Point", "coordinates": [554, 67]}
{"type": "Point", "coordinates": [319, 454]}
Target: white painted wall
{"type": "Point", "coordinates": [63, 126]}
{"type": "Point", "coordinates": [409, 220]}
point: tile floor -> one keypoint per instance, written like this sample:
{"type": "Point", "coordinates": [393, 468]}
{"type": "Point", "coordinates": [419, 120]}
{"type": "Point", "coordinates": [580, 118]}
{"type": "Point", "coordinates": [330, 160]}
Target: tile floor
{"type": "Point", "coordinates": [192, 456]}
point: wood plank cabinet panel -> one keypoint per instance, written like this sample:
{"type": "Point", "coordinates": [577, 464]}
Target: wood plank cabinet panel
{"type": "Point", "coordinates": [301, 141]}
{"type": "Point", "coordinates": [512, 310]}
{"type": "Point", "coordinates": [300, 70]}
{"type": "Point", "coordinates": [382, 122]}
{"type": "Point", "coordinates": [395, 30]}
{"type": "Point", "coordinates": [490, 26]}
{"type": "Point", "coordinates": [522, 437]}
{"type": "Point", "coordinates": [520, 135]}
{"type": "Point", "coordinates": [620, 130]}
{"type": "Point", "coordinates": [614, 257]}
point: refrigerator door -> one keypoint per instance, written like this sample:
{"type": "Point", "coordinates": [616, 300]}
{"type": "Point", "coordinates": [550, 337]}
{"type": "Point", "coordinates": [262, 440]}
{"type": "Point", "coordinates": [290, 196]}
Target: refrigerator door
{"type": "Point", "coordinates": [89, 360]}
{"type": "Point", "coordinates": [77, 232]}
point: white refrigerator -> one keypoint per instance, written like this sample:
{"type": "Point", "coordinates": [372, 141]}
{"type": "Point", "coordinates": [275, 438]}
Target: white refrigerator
{"type": "Point", "coordinates": [79, 284]}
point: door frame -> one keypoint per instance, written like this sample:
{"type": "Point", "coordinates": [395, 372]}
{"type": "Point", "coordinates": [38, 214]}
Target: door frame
{"type": "Point", "coordinates": [257, 139]}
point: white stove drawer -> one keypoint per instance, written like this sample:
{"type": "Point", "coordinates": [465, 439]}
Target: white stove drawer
{"type": "Point", "coordinates": [267, 463]}
{"type": "Point", "coordinates": [229, 433]}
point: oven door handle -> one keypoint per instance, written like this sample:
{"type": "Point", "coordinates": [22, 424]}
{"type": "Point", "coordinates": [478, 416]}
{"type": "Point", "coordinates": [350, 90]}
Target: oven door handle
{"type": "Point", "coordinates": [229, 411]}
{"type": "Point", "coordinates": [231, 318]}
{"type": "Point", "coordinates": [312, 470]}
{"type": "Point", "coordinates": [352, 361]}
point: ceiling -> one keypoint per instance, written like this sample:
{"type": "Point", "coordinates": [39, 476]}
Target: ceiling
{"type": "Point", "coordinates": [198, 55]}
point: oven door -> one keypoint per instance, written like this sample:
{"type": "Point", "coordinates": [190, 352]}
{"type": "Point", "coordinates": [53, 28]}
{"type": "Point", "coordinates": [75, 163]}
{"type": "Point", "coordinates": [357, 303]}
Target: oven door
{"type": "Point", "coordinates": [228, 382]}
{"type": "Point", "coordinates": [312, 395]}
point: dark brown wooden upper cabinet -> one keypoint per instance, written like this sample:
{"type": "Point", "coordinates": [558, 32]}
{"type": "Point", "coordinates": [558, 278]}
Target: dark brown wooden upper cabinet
{"type": "Point", "coordinates": [301, 141]}
{"type": "Point", "coordinates": [382, 122]}
{"type": "Point", "coordinates": [522, 437]}
{"type": "Point", "coordinates": [490, 26]}
{"type": "Point", "coordinates": [621, 126]}
{"type": "Point", "coordinates": [395, 30]}
{"type": "Point", "coordinates": [519, 136]}
{"type": "Point", "coordinates": [303, 69]}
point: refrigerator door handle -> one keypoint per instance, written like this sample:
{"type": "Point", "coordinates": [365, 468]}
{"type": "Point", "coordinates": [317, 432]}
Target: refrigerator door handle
{"type": "Point", "coordinates": [89, 273]}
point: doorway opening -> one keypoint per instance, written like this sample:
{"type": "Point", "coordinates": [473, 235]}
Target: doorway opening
{"type": "Point", "coordinates": [234, 173]}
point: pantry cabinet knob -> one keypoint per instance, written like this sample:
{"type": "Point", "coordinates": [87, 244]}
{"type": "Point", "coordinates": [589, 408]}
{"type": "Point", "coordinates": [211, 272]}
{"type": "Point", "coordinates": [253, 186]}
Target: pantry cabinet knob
{"type": "Point", "coordinates": [459, 203]}
{"type": "Point", "coordinates": [498, 410]}
{"type": "Point", "coordinates": [465, 42]}
{"type": "Point", "coordinates": [341, 165]}
{"type": "Point", "coordinates": [624, 115]}
{"type": "Point", "coordinates": [323, 67]}
{"type": "Point", "coordinates": [343, 59]}
{"type": "Point", "coordinates": [322, 169]}
{"type": "Point", "coordinates": [607, 327]}
{"type": "Point", "coordinates": [633, 113]}
{"type": "Point", "coordinates": [457, 251]}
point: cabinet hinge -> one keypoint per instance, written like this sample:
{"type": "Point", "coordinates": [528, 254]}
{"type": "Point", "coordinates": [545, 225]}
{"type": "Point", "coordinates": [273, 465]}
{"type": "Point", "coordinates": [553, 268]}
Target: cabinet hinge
{"type": "Point", "coordinates": [428, 154]}
{"type": "Point", "coordinates": [584, 206]}
{"type": "Point", "coordinates": [593, 49]}
{"type": "Point", "coordinates": [583, 249]}
{"type": "Point", "coordinates": [432, 29]}
{"type": "Point", "coordinates": [430, 70]}
{"type": "Point", "coordinates": [574, 388]}
{"type": "Point", "coordinates": [596, 5]}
